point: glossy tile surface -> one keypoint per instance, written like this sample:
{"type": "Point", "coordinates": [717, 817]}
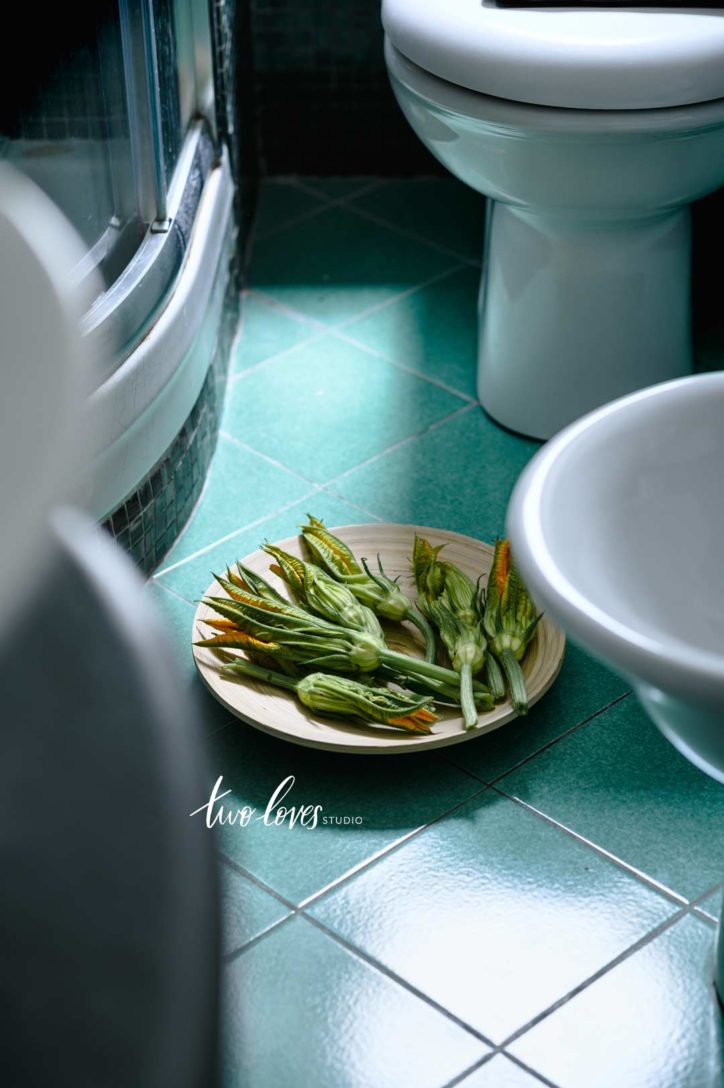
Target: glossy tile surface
{"type": "Point", "coordinates": [429, 330]}
{"type": "Point", "coordinates": [246, 910]}
{"type": "Point", "coordinates": [241, 487]}
{"type": "Point", "coordinates": [500, 1072]}
{"type": "Point", "coordinates": [303, 1012]}
{"type": "Point", "coordinates": [582, 688]}
{"type": "Point", "coordinates": [458, 477]}
{"type": "Point", "coordinates": [626, 776]}
{"type": "Point", "coordinates": [348, 401]}
{"type": "Point", "coordinates": [281, 202]}
{"type": "Point", "coordinates": [509, 914]}
{"type": "Point", "coordinates": [335, 406]}
{"type": "Point", "coordinates": [337, 264]}
{"type": "Point", "coordinates": [442, 210]}
{"type": "Point", "coordinates": [390, 801]}
{"type": "Point", "coordinates": [651, 1022]}
{"type": "Point", "coordinates": [266, 330]}
{"type": "Point", "coordinates": [712, 905]}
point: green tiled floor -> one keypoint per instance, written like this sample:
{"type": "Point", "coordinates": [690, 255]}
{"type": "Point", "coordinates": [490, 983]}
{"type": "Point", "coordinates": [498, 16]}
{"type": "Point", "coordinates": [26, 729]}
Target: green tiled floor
{"type": "Point", "coordinates": [535, 907]}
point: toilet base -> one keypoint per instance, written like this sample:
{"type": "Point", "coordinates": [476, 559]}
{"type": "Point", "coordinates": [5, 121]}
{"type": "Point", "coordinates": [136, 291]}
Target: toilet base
{"type": "Point", "coordinates": [576, 312]}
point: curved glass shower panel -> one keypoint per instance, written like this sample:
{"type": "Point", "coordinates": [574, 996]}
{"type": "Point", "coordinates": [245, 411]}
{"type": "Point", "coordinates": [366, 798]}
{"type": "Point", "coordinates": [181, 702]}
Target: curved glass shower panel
{"type": "Point", "coordinates": [71, 137]}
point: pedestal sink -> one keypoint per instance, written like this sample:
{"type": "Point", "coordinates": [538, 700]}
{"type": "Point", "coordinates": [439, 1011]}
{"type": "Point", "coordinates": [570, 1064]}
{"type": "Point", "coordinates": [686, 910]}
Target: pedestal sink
{"type": "Point", "coordinates": [617, 525]}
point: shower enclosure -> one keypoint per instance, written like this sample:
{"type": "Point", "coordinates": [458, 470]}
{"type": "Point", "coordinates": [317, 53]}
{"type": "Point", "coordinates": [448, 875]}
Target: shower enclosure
{"type": "Point", "coordinates": [124, 132]}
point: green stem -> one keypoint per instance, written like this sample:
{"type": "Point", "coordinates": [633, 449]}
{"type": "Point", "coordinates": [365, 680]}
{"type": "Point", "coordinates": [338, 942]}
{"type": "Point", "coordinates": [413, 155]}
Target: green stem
{"type": "Point", "coordinates": [516, 681]}
{"type": "Point", "coordinates": [494, 678]}
{"type": "Point", "coordinates": [413, 666]}
{"type": "Point", "coordinates": [415, 616]}
{"type": "Point", "coordinates": [448, 694]}
{"type": "Point", "coordinates": [258, 672]}
{"type": "Point", "coordinates": [470, 714]}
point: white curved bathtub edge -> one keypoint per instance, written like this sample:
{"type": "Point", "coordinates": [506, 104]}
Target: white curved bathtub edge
{"type": "Point", "coordinates": [134, 416]}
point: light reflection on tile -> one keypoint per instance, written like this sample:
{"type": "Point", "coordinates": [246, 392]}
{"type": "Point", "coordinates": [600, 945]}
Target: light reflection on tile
{"type": "Point", "coordinates": [651, 1022]}
{"type": "Point", "coordinates": [302, 1012]}
{"type": "Point", "coordinates": [493, 913]}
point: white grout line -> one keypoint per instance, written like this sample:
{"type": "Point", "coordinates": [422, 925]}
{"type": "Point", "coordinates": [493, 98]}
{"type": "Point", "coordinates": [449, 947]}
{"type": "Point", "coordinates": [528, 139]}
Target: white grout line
{"type": "Point", "coordinates": [349, 502]}
{"type": "Point", "coordinates": [171, 592]}
{"type": "Point", "coordinates": [236, 532]}
{"type": "Point", "coordinates": [325, 202]}
{"type": "Point", "coordinates": [401, 981]}
{"type": "Point", "coordinates": [364, 214]}
{"type": "Point", "coordinates": [632, 950]}
{"type": "Point", "coordinates": [341, 335]}
{"type": "Point", "coordinates": [369, 186]}
{"type": "Point", "coordinates": [403, 442]}
{"type": "Point", "coordinates": [429, 282]}
{"type": "Point", "coordinates": [279, 228]}
{"type": "Point", "coordinates": [284, 308]}
{"type": "Point", "coordinates": [271, 460]}
{"type": "Point", "coordinates": [620, 863]}
{"type": "Point", "coordinates": [241, 374]}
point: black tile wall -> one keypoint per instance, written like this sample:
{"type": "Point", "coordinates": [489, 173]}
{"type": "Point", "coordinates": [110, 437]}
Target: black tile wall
{"type": "Point", "coordinates": [323, 101]}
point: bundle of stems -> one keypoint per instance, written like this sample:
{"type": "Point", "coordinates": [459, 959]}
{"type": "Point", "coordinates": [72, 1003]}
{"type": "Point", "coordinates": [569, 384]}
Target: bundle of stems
{"type": "Point", "coordinates": [452, 602]}
{"type": "Point", "coordinates": [327, 694]}
{"type": "Point", "coordinates": [286, 632]}
{"type": "Point", "coordinates": [510, 620]}
{"type": "Point", "coordinates": [317, 591]}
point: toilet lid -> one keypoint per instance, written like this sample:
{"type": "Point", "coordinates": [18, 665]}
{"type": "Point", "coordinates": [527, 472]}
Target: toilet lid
{"type": "Point", "coordinates": [584, 58]}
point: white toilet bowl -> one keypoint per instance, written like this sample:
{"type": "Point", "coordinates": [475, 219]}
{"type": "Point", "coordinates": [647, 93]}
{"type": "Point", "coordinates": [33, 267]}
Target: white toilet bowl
{"type": "Point", "coordinates": [592, 131]}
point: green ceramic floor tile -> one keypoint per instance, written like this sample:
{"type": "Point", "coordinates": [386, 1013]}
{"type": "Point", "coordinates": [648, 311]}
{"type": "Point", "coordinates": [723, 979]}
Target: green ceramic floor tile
{"type": "Point", "coordinates": [265, 331]}
{"type": "Point", "coordinates": [713, 904]}
{"type": "Point", "coordinates": [433, 330]}
{"type": "Point", "coordinates": [339, 188]}
{"type": "Point", "coordinates": [302, 1012]}
{"type": "Point", "coordinates": [459, 477]}
{"type": "Point", "coordinates": [493, 913]}
{"type": "Point", "coordinates": [328, 405]}
{"type": "Point", "coordinates": [246, 909]}
{"type": "Point", "coordinates": [617, 782]}
{"type": "Point", "coordinates": [581, 688]}
{"type": "Point", "coordinates": [441, 209]}
{"type": "Point", "coordinates": [651, 1022]}
{"type": "Point", "coordinates": [177, 619]}
{"type": "Point", "coordinates": [336, 264]}
{"type": "Point", "coordinates": [191, 578]}
{"type": "Point", "coordinates": [240, 488]}
{"type": "Point", "coordinates": [279, 202]}
{"type": "Point", "coordinates": [500, 1072]}
{"type": "Point", "coordinates": [391, 796]}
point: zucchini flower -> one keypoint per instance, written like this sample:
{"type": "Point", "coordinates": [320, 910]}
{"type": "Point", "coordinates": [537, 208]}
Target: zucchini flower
{"type": "Point", "coordinates": [452, 602]}
{"type": "Point", "coordinates": [376, 591]}
{"type": "Point", "coordinates": [322, 594]}
{"type": "Point", "coordinates": [510, 621]}
{"type": "Point", "coordinates": [338, 695]}
{"type": "Point", "coordinates": [285, 631]}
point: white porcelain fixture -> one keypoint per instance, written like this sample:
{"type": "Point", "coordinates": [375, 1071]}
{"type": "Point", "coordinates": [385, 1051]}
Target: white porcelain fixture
{"type": "Point", "coordinates": [591, 130]}
{"type": "Point", "coordinates": [617, 525]}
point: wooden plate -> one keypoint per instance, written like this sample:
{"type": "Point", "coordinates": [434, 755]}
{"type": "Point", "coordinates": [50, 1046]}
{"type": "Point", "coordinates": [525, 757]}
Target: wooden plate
{"type": "Point", "coordinates": [279, 712]}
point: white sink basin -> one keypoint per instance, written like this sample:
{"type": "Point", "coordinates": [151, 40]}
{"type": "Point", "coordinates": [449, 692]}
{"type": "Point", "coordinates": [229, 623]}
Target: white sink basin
{"type": "Point", "coordinates": [618, 527]}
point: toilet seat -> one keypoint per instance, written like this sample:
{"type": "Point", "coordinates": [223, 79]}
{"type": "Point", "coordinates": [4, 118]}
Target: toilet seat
{"type": "Point", "coordinates": [576, 58]}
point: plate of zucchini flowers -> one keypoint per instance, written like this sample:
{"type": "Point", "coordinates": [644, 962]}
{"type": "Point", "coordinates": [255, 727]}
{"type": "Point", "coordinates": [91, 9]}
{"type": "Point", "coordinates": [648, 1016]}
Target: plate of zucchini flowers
{"type": "Point", "coordinates": [375, 639]}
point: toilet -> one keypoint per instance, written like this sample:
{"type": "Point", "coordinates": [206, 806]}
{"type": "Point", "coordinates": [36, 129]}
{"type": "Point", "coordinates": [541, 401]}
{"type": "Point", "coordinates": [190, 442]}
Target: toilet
{"type": "Point", "coordinates": [590, 130]}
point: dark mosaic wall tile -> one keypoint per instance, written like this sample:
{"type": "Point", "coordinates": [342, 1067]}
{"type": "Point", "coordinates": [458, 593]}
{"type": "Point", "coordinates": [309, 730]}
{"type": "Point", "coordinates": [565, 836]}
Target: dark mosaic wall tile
{"type": "Point", "coordinates": [323, 99]}
{"type": "Point", "coordinates": [149, 521]}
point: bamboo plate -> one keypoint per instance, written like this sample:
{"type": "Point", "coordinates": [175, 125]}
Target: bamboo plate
{"type": "Point", "coordinates": [279, 712]}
